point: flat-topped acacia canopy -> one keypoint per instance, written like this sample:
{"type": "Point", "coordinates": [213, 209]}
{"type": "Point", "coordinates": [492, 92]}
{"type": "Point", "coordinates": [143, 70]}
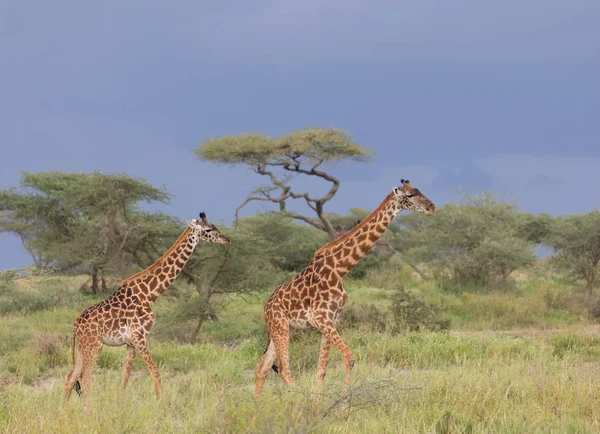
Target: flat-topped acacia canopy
{"type": "Point", "coordinates": [300, 152]}
{"type": "Point", "coordinates": [314, 144]}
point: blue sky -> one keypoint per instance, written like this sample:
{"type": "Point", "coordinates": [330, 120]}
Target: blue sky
{"type": "Point", "coordinates": [500, 96]}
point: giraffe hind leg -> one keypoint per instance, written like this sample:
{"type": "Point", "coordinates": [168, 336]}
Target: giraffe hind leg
{"type": "Point", "coordinates": [90, 355]}
{"type": "Point", "coordinates": [263, 366]}
{"type": "Point", "coordinates": [72, 378]}
{"type": "Point", "coordinates": [281, 342]}
{"type": "Point", "coordinates": [293, 333]}
{"type": "Point", "coordinates": [273, 366]}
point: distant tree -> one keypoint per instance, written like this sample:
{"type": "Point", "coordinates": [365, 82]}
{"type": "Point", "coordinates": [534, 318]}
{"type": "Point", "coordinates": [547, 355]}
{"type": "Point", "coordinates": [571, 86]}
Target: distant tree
{"type": "Point", "coordinates": [384, 249]}
{"type": "Point", "coordinates": [576, 240]}
{"type": "Point", "coordinates": [264, 250]}
{"type": "Point", "coordinates": [80, 219]}
{"type": "Point", "coordinates": [302, 152]}
{"type": "Point", "coordinates": [479, 241]}
{"type": "Point", "coordinates": [535, 228]}
{"type": "Point", "coordinates": [292, 244]}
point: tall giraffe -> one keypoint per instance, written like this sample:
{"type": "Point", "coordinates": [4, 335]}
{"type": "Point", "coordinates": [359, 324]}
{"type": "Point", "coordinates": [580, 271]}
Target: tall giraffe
{"type": "Point", "coordinates": [126, 317]}
{"type": "Point", "coordinates": [315, 296]}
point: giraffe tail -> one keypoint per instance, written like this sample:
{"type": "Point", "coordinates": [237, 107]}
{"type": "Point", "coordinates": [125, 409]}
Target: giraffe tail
{"type": "Point", "coordinates": [73, 346]}
{"type": "Point", "coordinates": [274, 366]}
{"type": "Point", "coordinates": [77, 384]}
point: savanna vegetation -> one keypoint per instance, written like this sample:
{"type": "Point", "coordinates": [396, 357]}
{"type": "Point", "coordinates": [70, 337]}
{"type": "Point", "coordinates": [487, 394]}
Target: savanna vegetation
{"type": "Point", "coordinates": [455, 323]}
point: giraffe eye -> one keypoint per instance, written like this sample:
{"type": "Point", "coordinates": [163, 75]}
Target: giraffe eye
{"type": "Point", "coordinates": [409, 195]}
{"type": "Point", "coordinates": [208, 230]}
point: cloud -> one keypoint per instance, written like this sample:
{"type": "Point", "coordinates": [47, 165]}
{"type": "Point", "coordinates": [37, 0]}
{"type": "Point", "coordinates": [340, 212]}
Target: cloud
{"type": "Point", "coordinates": [533, 31]}
{"type": "Point", "coordinates": [288, 32]}
{"type": "Point", "coordinates": [552, 184]}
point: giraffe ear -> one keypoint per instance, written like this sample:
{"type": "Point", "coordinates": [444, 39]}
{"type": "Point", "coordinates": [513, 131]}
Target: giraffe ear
{"type": "Point", "coordinates": [190, 223]}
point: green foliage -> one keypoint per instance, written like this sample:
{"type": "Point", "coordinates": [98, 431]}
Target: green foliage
{"type": "Point", "coordinates": [367, 317]}
{"type": "Point", "coordinates": [248, 264]}
{"type": "Point", "coordinates": [290, 245]}
{"type": "Point", "coordinates": [302, 152]}
{"type": "Point", "coordinates": [259, 258]}
{"type": "Point", "coordinates": [411, 312]}
{"type": "Point", "coordinates": [314, 144]}
{"type": "Point", "coordinates": [535, 228]}
{"type": "Point", "coordinates": [478, 242]}
{"type": "Point", "coordinates": [87, 219]}
{"type": "Point", "coordinates": [576, 239]}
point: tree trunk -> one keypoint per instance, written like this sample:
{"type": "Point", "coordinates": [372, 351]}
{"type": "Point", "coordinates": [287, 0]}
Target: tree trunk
{"type": "Point", "coordinates": [591, 281]}
{"type": "Point", "coordinates": [196, 332]}
{"type": "Point", "coordinates": [504, 280]}
{"type": "Point", "coordinates": [94, 286]}
{"type": "Point", "coordinates": [206, 312]}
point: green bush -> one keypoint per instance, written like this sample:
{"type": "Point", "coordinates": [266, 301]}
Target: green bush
{"type": "Point", "coordinates": [411, 312]}
{"type": "Point", "coordinates": [367, 317]}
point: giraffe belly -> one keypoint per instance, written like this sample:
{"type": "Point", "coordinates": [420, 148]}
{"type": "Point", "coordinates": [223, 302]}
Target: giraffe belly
{"type": "Point", "coordinates": [117, 338]}
{"type": "Point", "coordinates": [301, 320]}
{"type": "Point", "coordinates": [299, 323]}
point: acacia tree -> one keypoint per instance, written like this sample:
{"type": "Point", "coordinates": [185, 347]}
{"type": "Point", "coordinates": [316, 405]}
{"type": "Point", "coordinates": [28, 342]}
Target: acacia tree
{"type": "Point", "coordinates": [79, 219]}
{"type": "Point", "coordinates": [481, 241]}
{"type": "Point", "coordinates": [302, 152]}
{"type": "Point", "coordinates": [576, 239]}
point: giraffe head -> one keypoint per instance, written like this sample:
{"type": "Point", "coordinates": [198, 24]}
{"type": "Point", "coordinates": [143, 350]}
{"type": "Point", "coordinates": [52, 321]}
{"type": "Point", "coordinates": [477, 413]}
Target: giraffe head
{"type": "Point", "coordinates": [412, 199]}
{"type": "Point", "coordinates": [205, 231]}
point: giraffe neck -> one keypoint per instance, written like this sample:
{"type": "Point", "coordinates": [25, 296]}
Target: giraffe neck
{"type": "Point", "coordinates": [346, 251]}
{"type": "Point", "coordinates": [155, 279]}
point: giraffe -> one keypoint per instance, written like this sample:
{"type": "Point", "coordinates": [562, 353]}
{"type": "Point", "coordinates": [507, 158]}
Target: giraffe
{"type": "Point", "coordinates": [315, 296]}
{"type": "Point", "coordinates": [126, 317]}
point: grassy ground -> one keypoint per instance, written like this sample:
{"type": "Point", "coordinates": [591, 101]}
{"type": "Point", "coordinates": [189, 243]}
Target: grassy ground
{"type": "Point", "coordinates": [524, 361]}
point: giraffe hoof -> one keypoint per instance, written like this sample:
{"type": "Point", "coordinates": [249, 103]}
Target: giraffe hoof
{"type": "Point", "coordinates": [351, 363]}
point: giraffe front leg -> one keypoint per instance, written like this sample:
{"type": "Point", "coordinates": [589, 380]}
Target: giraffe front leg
{"type": "Point", "coordinates": [141, 347]}
{"type": "Point", "coordinates": [127, 366]}
{"type": "Point", "coordinates": [327, 327]}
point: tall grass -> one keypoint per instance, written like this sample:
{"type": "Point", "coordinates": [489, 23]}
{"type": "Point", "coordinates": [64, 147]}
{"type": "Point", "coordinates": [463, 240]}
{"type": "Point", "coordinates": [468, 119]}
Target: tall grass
{"type": "Point", "coordinates": [523, 361]}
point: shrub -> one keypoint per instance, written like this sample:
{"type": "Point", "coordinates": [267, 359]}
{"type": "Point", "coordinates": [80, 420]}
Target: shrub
{"type": "Point", "coordinates": [50, 347]}
{"type": "Point", "coordinates": [593, 306]}
{"type": "Point", "coordinates": [367, 317]}
{"type": "Point", "coordinates": [411, 312]}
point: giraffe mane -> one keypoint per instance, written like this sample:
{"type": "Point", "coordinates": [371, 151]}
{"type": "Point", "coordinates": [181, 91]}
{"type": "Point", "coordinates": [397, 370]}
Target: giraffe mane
{"type": "Point", "coordinates": [358, 227]}
{"type": "Point", "coordinates": [156, 263]}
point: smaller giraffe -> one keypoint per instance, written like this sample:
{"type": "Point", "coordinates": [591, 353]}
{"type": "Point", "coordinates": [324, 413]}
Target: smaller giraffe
{"type": "Point", "coordinates": [316, 296]}
{"type": "Point", "coordinates": [126, 317]}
